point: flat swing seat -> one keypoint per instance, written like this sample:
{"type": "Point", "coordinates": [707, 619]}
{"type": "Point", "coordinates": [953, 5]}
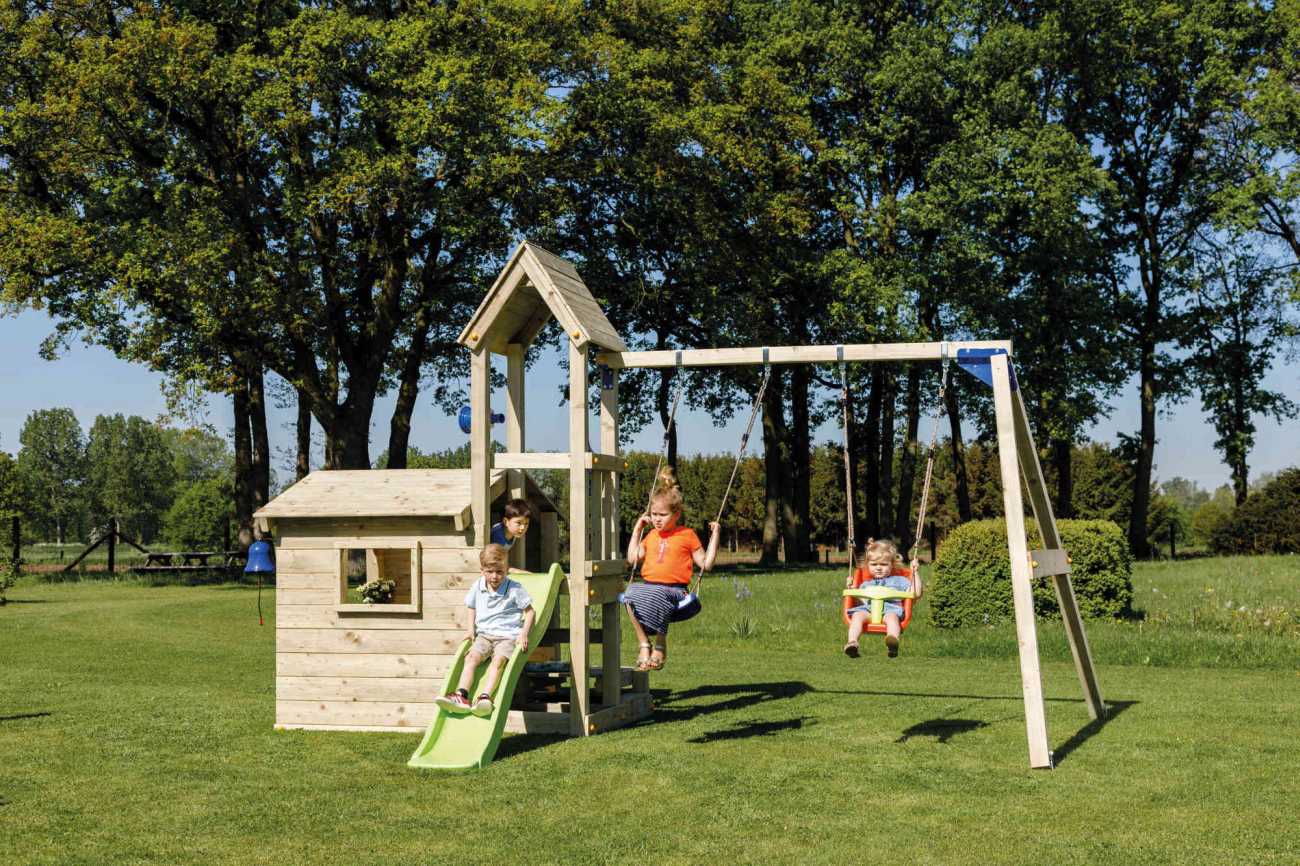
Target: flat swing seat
{"type": "Point", "coordinates": [877, 596]}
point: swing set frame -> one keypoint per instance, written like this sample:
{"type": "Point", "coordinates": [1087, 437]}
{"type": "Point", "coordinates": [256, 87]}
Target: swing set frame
{"type": "Point", "coordinates": [536, 285]}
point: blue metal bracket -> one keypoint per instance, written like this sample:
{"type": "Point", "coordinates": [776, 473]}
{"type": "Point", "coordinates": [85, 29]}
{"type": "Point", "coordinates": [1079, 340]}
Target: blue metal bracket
{"type": "Point", "coordinates": [978, 363]}
{"type": "Point", "coordinates": [606, 377]}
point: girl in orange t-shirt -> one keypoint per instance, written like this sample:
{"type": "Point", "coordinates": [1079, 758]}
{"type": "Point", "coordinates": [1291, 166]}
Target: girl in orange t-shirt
{"type": "Point", "coordinates": [669, 553]}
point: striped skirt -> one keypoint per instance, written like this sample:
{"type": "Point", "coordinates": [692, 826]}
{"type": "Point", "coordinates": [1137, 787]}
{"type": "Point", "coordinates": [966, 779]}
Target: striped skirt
{"type": "Point", "coordinates": [653, 604]}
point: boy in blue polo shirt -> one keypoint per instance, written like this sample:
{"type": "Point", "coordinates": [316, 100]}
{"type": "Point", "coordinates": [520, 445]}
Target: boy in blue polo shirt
{"type": "Point", "coordinates": [500, 617]}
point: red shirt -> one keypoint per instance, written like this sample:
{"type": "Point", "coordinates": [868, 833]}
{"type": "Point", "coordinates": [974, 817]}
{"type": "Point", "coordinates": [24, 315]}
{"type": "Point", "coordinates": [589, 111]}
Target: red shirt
{"type": "Point", "coordinates": [669, 558]}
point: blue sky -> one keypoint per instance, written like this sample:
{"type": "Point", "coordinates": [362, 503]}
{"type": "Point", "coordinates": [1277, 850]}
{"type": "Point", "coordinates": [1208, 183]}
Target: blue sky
{"type": "Point", "coordinates": [90, 381]}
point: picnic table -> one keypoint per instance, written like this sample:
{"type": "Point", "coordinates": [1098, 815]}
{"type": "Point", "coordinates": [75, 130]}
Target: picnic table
{"type": "Point", "coordinates": [192, 560]}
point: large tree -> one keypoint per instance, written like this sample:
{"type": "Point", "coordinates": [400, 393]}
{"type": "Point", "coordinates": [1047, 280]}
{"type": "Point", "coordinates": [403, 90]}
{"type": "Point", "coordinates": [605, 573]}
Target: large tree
{"type": "Point", "coordinates": [1239, 324]}
{"type": "Point", "coordinates": [1149, 82]}
{"type": "Point", "coordinates": [309, 189]}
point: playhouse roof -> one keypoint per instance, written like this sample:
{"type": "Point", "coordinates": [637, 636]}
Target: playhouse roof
{"type": "Point", "coordinates": [535, 285]}
{"type": "Point", "coordinates": [387, 493]}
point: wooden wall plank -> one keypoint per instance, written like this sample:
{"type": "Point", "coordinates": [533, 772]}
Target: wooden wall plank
{"type": "Point", "coordinates": [401, 689]}
{"type": "Point", "coordinates": [395, 641]}
{"type": "Point", "coordinates": [361, 665]}
{"type": "Point", "coordinates": [397, 714]}
{"type": "Point", "coordinates": [315, 616]}
{"type": "Point", "coordinates": [327, 595]}
{"type": "Point", "coordinates": [447, 539]}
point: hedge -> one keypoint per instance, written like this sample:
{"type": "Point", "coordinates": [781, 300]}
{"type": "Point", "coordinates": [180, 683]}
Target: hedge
{"type": "Point", "coordinates": [972, 572]}
{"type": "Point", "coordinates": [1267, 522]}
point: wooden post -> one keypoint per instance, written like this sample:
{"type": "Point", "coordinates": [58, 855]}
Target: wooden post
{"type": "Point", "coordinates": [579, 696]}
{"type": "Point", "coordinates": [515, 435]}
{"type": "Point", "coordinates": [934, 542]}
{"type": "Point", "coordinates": [112, 542]}
{"type": "Point", "coordinates": [1021, 590]}
{"type": "Point", "coordinates": [610, 616]}
{"type": "Point", "coordinates": [1041, 504]}
{"type": "Point", "coordinates": [480, 444]}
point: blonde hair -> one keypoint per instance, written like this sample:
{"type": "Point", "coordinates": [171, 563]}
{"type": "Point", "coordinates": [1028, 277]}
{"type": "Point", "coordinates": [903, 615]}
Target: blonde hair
{"type": "Point", "coordinates": [668, 491]}
{"type": "Point", "coordinates": [493, 556]}
{"type": "Point", "coordinates": [882, 549]}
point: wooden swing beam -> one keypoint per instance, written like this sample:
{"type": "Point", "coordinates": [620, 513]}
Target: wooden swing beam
{"type": "Point", "coordinates": [879, 352]}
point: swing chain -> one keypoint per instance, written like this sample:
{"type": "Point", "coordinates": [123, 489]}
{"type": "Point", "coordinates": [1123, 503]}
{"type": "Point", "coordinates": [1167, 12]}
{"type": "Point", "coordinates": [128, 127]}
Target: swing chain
{"type": "Point", "coordinates": [848, 476]}
{"type": "Point", "coordinates": [939, 411]}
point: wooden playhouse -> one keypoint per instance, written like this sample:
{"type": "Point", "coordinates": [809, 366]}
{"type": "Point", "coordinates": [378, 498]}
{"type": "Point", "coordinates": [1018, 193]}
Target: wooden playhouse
{"type": "Point", "coordinates": [343, 665]}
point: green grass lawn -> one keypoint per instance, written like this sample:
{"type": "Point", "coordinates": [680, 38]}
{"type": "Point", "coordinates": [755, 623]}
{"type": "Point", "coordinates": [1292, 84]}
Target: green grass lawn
{"type": "Point", "coordinates": [136, 727]}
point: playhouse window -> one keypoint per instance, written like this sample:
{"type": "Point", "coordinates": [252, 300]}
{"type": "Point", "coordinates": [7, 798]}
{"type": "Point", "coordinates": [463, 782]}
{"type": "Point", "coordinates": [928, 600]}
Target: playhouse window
{"type": "Point", "coordinates": [388, 573]}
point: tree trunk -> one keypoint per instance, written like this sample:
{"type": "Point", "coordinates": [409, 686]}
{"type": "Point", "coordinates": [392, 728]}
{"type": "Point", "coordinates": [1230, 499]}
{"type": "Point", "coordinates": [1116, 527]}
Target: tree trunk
{"type": "Point", "coordinates": [303, 464]}
{"type": "Point", "coordinates": [349, 435]}
{"type": "Point", "coordinates": [243, 465]}
{"type": "Point", "coordinates": [773, 436]}
{"type": "Point", "coordinates": [871, 487]}
{"type": "Point", "coordinates": [907, 464]}
{"type": "Point", "coordinates": [261, 454]}
{"type": "Point", "coordinates": [1062, 451]}
{"type": "Point", "coordinates": [1137, 525]}
{"type": "Point", "coordinates": [888, 399]}
{"type": "Point", "coordinates": [399, 428]}
{"type": "Point", "coordinates": [958, 454]}
{"type": "Point", "coordinates": [800, 466]}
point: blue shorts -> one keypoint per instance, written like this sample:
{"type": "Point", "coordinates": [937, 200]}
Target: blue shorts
{"type": "Point", "coordinates": [894, 581]}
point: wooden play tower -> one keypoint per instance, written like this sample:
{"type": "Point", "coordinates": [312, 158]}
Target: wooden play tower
{"type": "Point", "coordinates": [534, 287]}
{"type": "Point", "coordinates": [537, 285]}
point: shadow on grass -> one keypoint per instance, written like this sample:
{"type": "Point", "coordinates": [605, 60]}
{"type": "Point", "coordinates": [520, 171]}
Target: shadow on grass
{"type": "Point", "coordinates": [1090, 730]}
{"type": "Point", "coordinates": [745, 730]}
{"type": "Point", "coordinates": [736, 696]}
{"type": "Point", "coordinates": [941, 729]}
{"type": "Point", "coordinates": [21, 716]}
{"type": "Point", "coordinates": [955, 695]}
{"type": "Point", "coordinates": [518, 744]}
{"type": "Point", "coordinates": [10, 601]}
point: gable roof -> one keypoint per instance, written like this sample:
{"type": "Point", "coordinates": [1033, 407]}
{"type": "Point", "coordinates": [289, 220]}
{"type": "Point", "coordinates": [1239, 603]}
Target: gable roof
{"type": "Point", "coordinates": [535, 285]}
{"type": "Point", "coordinates": [387, 493]}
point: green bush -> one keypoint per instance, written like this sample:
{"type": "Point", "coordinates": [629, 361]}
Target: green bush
{"type": "Point", "coordinates": [198, 518]}
{"type": "Point", "coordinates": [1208, 518]}
{"type": "Point", "coordinates": [972, 573]}
{"type": "Point", "coordinates": [1267, 522]}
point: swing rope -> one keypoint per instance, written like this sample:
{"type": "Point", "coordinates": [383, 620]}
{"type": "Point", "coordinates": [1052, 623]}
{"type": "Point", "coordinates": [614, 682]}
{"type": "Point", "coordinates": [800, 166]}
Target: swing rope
{"type": "Point", "coordinates": [940, 408]}
{"type": "Point", "coordinates": [740, 454]}
{"type": "Point", "coordinates": [663, 451]}
{"type": "Point", "coordinates": [848, 472]}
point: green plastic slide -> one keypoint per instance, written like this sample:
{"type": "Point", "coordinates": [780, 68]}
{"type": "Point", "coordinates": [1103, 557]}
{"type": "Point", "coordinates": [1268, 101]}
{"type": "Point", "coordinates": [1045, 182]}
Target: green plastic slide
{"type": "Point", "coordinates": [463, 741]}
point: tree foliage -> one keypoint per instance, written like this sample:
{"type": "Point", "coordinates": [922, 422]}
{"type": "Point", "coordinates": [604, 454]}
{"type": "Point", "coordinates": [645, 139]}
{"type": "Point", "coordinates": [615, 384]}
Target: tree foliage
{"type": "Point", "coordinates": [51, 463]}
{"type": "Point", "coordinates": [130, 474]}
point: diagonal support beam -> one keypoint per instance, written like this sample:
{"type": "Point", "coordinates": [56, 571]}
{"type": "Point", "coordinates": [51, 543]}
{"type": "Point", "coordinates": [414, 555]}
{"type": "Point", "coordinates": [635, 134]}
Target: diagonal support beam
{"type": "Point", "coordinates": [1065, 598]}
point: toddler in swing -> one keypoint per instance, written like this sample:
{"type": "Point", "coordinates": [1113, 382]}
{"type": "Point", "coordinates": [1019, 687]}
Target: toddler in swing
{"type": "Point", "coordinates": [669, 553]}
{"type": "Point", "coordinates": [884, 567]}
